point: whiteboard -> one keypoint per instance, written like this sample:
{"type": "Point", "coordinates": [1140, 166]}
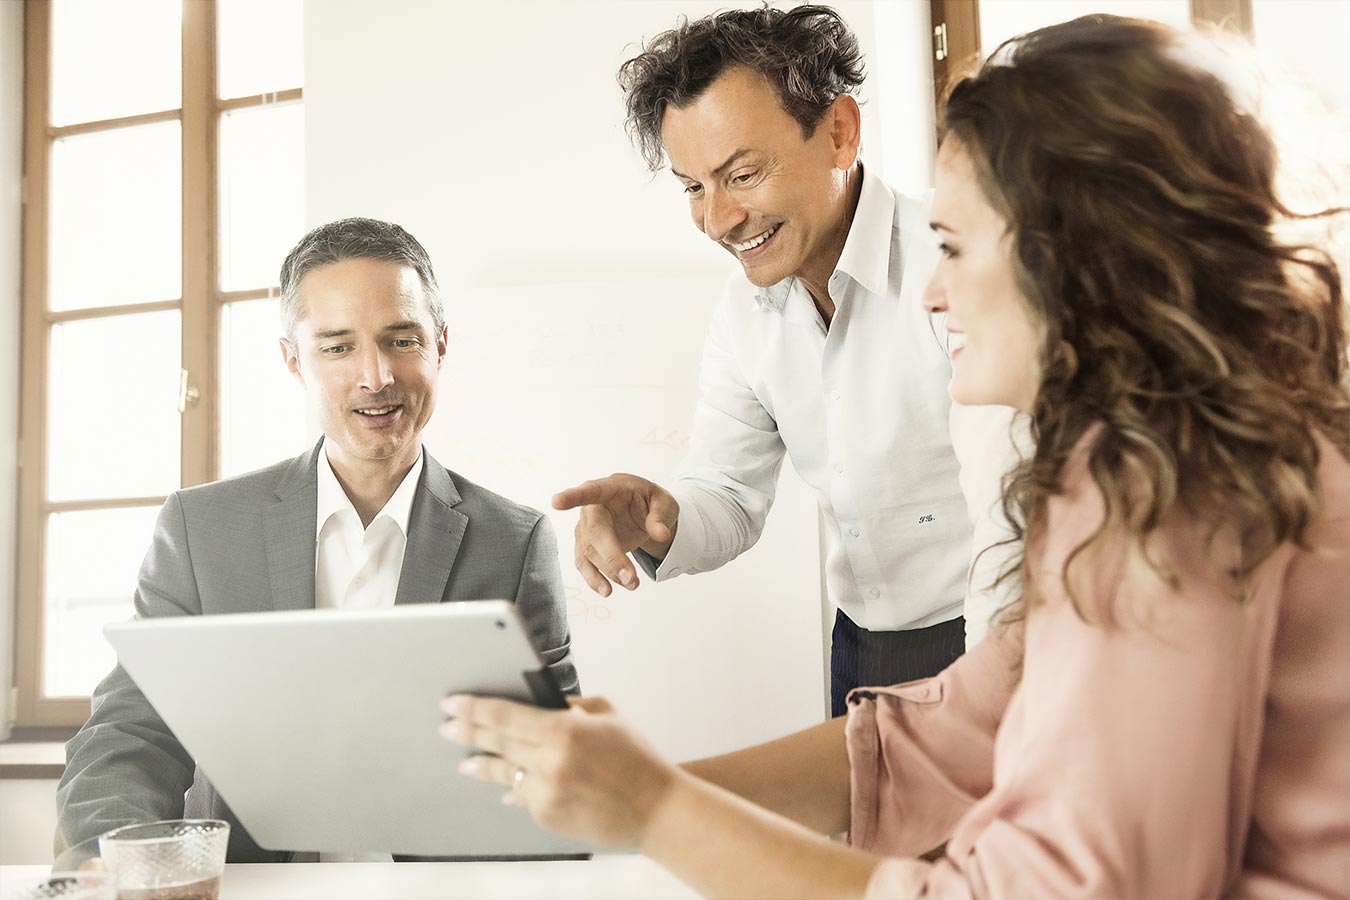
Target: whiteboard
{"type": "Point", "coordinates": [545, 386]}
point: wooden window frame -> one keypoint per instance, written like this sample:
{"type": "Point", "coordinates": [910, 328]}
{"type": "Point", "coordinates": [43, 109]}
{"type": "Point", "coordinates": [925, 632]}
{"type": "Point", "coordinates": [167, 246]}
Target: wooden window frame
{"type": "Point", "coordinates": [956, 31]}
{"type": "Point", "coordinates": [200, 303]}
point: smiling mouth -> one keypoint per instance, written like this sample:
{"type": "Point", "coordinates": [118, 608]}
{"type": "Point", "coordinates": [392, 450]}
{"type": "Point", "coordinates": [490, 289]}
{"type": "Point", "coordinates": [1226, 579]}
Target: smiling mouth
{"type": "Point", "coordinates": [956, 340]}
{"type": "Point", "coordinates": [757, 240]}
{"type": "Point", "coordinates": [377, 411]}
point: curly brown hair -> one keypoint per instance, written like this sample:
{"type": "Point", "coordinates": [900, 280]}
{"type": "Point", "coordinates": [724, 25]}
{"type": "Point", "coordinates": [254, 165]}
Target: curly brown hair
{"type": "Point", "coordinates": [807, 53]}
{"type": "Point", "coordinates": [1146, 227]}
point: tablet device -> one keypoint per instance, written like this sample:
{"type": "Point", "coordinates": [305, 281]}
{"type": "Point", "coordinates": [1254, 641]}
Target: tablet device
{"type": "Point", "coordinates": [318, 727]}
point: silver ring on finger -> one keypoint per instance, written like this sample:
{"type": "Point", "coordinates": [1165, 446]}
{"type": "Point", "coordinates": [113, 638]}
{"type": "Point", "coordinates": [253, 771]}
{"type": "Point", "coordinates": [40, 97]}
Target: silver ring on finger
{"type": "Point", "coordinates": [518, 778]}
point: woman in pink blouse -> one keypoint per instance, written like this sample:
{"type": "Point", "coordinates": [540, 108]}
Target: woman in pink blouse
{"type": "Point", "coordinates": [1166, 712]}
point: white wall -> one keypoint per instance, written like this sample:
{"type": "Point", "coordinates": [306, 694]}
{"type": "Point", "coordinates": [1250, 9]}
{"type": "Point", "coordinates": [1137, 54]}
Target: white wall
{"type": "Point", "coordinates": [578, 295]}
{"type": "Point", "coordinates": [27, 817]}
{"type": "Point", "coordinates": [901, 78]}
{"type": "Point", "coordinates": [27, 808]}
{"type": "Point", "coordinates": [11, 173]}
{"type": "Point", "coordinates": [496, 130]}
{"type": "Point", "coordinates": [494, 133]}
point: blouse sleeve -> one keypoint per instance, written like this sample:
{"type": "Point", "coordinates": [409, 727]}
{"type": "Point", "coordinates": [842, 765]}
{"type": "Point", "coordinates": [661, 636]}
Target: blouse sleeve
{"type": "Point", "coordinates": [922, 753]}
{"type": "Point", "coordinates": [1125, 764]}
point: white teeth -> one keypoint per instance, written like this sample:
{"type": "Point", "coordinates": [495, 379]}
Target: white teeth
{"type": "Point", "coordinates": [375, 412]}
{"type": "Point", "coordinates": [754, 241]}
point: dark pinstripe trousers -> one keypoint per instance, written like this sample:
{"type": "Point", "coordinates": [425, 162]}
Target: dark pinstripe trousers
{"type": "Point", "coordinates": [860, 657]}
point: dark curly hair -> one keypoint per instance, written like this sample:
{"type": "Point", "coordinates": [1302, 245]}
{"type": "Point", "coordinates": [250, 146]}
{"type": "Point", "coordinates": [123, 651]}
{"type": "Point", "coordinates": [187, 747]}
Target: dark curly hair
{"type": "Point", "coordinates": [807, 53]}
{"type": "Point", "coordinates": [1147, 235]}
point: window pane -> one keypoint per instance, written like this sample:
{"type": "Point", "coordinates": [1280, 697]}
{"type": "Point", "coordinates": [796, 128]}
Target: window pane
{"type": "Point", "coordinates": [260, 46]}
{"type": "Point", "coordinates": [1311, 38]}
{"type": "Point", "coordinates": [116, 217]}
{"type": "Point", "coordinates": [112, 59]}
{"type": "Point", "coordinates": [262, 192]}
{"type": "Point", "coordinates": [262, 409]}
{"type": "Point", "coordinates": [113, 401]}
{"type": "Point", "coordinates": [92, 561]}
{"type": "Point", "coordinates": [1002, 19]}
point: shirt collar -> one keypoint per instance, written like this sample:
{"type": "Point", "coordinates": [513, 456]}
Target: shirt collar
{"type": "Point", "coordinates": [867, 249]}
{"type": "Point", "coordinates": [866, 257]}
{"type": "Point", "coordinates": [333, 499]}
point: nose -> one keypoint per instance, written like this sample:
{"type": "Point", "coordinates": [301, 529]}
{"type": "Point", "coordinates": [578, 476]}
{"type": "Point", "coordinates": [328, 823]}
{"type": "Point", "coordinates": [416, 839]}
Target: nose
{"type": "Point", "coordinates": [721, 214]}
{"type": "Point", "coordinates": [934, 295]}
{"type": "Point", "coordinates": [376, 374]}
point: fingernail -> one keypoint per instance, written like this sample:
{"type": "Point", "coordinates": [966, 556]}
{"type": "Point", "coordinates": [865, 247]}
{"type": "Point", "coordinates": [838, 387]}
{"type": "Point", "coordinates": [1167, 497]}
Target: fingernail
{"type": "Point", "coordinates": [452, 731]}
{"type": "Point", "coordinates": [510, 799]}
{"type": "Point", "coordinates": [626, 576]}
{"type": "Point", "coordinates": [451, 706]}
{"type": "Point", "coordinates": [471, 766]}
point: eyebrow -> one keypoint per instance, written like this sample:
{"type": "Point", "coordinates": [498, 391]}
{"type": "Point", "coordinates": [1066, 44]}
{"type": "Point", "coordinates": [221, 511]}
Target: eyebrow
{"type": "Point", "coordinates": [938, 226]}
{"type": "Point", "coordinates": [731, 160]}
{"type": "Point", "coordinates": [405, 325]}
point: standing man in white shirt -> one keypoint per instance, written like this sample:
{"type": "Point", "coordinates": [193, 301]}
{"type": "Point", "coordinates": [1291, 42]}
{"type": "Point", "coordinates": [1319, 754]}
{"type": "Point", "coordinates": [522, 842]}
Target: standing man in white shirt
{"type": "Point", "coordinates": [820, 349]}
{"type": "Point", "coordinates": [365, 519]}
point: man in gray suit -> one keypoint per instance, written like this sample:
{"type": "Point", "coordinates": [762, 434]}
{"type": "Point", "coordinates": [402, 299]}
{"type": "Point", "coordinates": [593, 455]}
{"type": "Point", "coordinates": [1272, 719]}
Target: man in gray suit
{"type": "Point", "coordinates": [365, 519]}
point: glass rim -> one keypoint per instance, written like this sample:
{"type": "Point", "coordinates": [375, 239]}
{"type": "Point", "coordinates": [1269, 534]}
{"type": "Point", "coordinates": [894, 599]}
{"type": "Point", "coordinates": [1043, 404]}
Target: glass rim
{"type": "Point", "coordinates": [209, 825]}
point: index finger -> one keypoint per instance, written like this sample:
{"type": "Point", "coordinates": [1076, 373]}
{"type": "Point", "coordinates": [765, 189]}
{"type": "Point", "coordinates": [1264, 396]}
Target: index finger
{"type": "Point", "coordinates": [517, 721]}
{"type": "Point", "coordinates": [581, 495]}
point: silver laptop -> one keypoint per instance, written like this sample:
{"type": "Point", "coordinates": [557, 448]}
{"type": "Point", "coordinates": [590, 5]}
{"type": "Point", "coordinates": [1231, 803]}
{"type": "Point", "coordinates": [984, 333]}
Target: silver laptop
{"type": "Point", "coordinates": [318, 728]}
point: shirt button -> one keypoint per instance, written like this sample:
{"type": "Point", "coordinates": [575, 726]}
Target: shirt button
{"type": "Point", "coordinates": [855, 532]}
{"type": "Point", "coordinates": [839, 467]}
{"type": "Point", "coordinates": [834, 395]}
{"type": "Point", "coordinates": [874, 593]}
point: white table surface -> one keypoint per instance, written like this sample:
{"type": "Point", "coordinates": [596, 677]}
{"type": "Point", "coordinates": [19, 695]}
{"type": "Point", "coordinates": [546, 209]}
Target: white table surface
{"type": "Point", "coordinates": [606, 876]}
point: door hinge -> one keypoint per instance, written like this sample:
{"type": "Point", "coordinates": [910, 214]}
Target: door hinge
{"type": "Point", "coordinates": [940, 42]}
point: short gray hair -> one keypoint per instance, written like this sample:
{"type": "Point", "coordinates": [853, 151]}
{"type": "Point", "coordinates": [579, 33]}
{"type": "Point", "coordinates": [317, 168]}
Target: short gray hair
{"type": "Point", "coordinates": [355, 238]}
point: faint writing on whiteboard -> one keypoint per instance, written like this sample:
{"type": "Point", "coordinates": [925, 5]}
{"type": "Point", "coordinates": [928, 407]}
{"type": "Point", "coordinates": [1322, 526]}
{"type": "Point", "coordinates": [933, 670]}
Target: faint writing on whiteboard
{"type": "Point", "coordinates": [675, 439]}
{"type": "Point", "coordinates": [584, 606]}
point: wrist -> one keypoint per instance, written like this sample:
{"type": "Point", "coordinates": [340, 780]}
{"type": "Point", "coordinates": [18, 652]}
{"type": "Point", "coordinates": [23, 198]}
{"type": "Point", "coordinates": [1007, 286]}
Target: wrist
{"type": "Point", "coordinates": [662, 814]}
{"type": "Point", "coordinates": [658, 550]}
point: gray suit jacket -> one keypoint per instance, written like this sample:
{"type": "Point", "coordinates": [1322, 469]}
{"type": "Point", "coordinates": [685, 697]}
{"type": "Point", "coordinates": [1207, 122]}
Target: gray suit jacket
{"type": "Point", "coordinates": [247, 544]}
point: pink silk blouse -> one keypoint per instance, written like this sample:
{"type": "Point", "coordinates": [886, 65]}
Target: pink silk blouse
{"type": "Point", "coordinates": [1199, 748]}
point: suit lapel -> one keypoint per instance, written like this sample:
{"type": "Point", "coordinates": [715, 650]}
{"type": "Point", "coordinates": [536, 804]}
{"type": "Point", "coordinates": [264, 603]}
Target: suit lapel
{"type": "Point", "coordinates": [289, 529]}
{"type": "Point", "coordinates": [435, 531]}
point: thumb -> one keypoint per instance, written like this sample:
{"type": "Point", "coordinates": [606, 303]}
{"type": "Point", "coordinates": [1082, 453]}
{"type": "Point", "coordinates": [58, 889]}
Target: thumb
{"type": "Point", "coordinates": [593, 705]}
{"type": "Point", "coordinates": [662, 515]}
{"type": "Point", "coordinates": [656, 527]}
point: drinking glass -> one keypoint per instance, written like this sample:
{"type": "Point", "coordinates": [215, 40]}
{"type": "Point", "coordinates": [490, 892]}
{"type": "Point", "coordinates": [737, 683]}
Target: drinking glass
{"type": "Point", "coordinates": [175, 859]}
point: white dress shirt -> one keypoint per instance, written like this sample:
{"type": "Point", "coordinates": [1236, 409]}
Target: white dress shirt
{"type": "Point", "coordinates": [862, 408]}
{"type": "Point", "coordinates": [356, 567]}
{"type": "Point", "coordinates": [988, 441]}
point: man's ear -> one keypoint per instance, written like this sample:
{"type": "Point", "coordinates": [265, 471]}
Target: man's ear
{"type": "Point", "coordinates": [845, 122]}
{"type": "Point", "coordinates": [291, 358]}
{"type": "Point", "coordinates": [442, 343]}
